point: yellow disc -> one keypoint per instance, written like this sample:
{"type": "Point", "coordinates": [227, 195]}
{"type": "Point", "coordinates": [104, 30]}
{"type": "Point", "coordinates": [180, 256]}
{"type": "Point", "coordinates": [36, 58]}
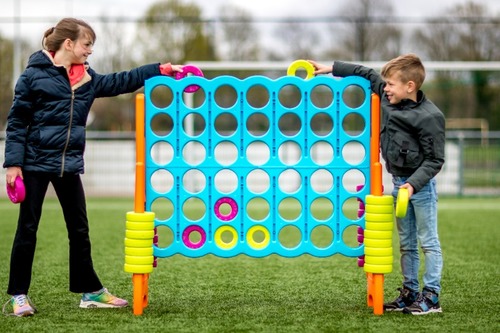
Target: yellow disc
{"type": "Point", "coordinates": [140, 217]}
{"type": "Point", "coordinates": [131, 225]}
{"type": "Point", "coordinates": [292, 69]}
{"type": "Point", "coordinates": [379, 226]}
{"type": "Point", "coordinates": [222, 243]}
{"type": "Point", "coordinates": [139, 260]}
{"type": "Point", "coordinates": [138, 242]}
{"type": "Point", "coordinates": [251, 240]}
{"type": "Point", "coordinates": [379, 199]}
{"type": "Point", "coordinates": [378, 251]}
{"type": "Point", "coordinates": [379, 260]}
{"type": "Point", "coordinates": [378, 243]}
{"type": "Point", "coordinates": [378, 269]}
{"type": "Point", "coordinates": [402, 202]}
{"type": "Point", "coordinates": [138, 269]}
{"type": "Point", "coordinates": [370, 217]}
{"type": "Point", "coordinates": [378, 234]}
{"type": "Point", "coordinates": [379, 209]}
{"type": "Point", "coordinates": [139, 251]}
{"type": "Point", "coordinates": [139, 234]}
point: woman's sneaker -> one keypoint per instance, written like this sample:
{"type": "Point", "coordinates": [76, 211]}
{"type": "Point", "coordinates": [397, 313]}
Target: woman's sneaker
{"type": "Point", "coordinates": [101, 299]}
{"type": "Point", "coordinates": [427, 302]}
{"type": "Point", "coordinates": [21, 306]}
{"type": "Point", "coordinates": [406, 297]}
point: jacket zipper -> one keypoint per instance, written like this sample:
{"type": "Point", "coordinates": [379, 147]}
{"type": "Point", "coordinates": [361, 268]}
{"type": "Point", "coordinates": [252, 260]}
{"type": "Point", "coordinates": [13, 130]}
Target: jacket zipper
{"type": "Point", "coordinates": [63, 162]}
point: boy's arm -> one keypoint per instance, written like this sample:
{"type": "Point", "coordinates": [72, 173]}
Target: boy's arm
{"type": "Point", "coordinates": [344, 69]}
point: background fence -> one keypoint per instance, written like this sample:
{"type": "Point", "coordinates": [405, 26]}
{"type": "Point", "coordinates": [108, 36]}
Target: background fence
{"type": "Point", "coordinates": [472, 165]}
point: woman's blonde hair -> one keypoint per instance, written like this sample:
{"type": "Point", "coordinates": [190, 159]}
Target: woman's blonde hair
{"type": "Point", "coordinates": [71, 28]}
{"type": "Point", "coordinates": [408, 67]}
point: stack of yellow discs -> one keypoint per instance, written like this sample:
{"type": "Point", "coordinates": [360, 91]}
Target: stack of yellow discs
{"type": "Point", "coordinates": [379, 211]}
{"type": "Point", "coordinates": [139, 235]}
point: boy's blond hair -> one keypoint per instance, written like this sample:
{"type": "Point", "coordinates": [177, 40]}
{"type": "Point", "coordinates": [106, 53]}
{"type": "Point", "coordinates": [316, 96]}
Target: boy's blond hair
{"type": "Point", "coordinates": [408, 67]}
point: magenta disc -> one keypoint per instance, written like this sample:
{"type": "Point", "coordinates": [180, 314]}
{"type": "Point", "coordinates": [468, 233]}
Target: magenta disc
{"type": "Point", "coordinates": [16, 193]}
{"type": "Point", "coordinates": [189, 69]}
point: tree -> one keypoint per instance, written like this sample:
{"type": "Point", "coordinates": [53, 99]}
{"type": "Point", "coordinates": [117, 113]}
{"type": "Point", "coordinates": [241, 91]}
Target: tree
{"type": "Point", "coordinates": [299, 39]}
{"type": "Point", "coordinates": [240, 38]}
{"type": "Point", "coordinates": [366, 37]}
{"type": "Point", "coordinates": [174, 31]}
{"type": "Point", "coordinates": [465, 33]}
{"type": "Point", "coordinates": [6, 60]}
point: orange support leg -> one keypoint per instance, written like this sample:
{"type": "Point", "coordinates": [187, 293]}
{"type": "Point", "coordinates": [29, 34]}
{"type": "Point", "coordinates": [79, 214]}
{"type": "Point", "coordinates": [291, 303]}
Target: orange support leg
{"type": "Point", "coordinates": [375, 295]}
{"type": "Point", "coordinates": [140, 284]}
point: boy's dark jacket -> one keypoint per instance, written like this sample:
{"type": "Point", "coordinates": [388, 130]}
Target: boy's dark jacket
{"type": "Point", "coordinates": [46, 123]}
{"type": "Point", "coordinates": [412, 136]}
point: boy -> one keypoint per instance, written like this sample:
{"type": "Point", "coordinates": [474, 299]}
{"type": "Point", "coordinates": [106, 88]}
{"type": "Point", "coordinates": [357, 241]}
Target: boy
{"type": "Point", "coordinates": [412, 141]}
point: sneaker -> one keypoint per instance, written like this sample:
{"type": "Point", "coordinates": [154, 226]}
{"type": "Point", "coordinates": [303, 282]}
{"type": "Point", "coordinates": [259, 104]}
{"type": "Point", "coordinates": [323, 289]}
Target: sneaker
{"type": "Point", "coordinates": [427, 302]}
{"type": "Point", "coordinates": [406, 297]}
{"type": "Point", "coordinates": [101, 299]}
{"type": "Point", "coordinates": [21, 306]}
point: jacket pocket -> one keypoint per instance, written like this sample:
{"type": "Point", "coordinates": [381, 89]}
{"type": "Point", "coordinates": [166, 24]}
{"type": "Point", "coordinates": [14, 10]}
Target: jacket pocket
{"type": "Point", "coordinates": [404, 151]}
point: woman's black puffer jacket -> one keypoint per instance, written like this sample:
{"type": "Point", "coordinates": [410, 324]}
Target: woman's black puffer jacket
{"type": "Point", "coordinates": [46, 123]}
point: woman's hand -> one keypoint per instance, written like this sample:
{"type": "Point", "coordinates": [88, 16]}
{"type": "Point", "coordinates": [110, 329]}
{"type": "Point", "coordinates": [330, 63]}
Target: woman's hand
{"type": "Point", "coordinates": [11, 175]}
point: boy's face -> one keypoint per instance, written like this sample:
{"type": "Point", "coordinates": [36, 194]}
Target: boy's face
{"type": "Point", "coordinates": [396, 90]}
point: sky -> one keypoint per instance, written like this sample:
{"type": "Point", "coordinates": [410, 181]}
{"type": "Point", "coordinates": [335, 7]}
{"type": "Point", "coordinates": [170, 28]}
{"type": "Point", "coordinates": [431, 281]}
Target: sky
{"type": "Point", "coordinates": [38, 15]}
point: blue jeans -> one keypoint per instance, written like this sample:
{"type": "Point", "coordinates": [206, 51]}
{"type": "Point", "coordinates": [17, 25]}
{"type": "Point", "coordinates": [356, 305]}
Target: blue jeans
{"type": "Point", "coordinates": [420, 226]}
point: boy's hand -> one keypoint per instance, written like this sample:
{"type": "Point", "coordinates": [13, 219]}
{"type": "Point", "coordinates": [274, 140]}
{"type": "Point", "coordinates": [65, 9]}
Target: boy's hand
{"type": "Point", "coordinates": [409, 188]}
{"type": "Point", "coordinates": [320, 68]}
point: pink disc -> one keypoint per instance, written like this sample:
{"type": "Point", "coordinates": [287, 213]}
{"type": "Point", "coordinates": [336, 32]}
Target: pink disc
{"type": "Point", "coordinates": [187, 233]}
{"type": "Point", "coordinates": [16, 193]}
{"type": "Point", "coordinates": [231, 203]}
{"type": "Point", "coordinates": [189, 69]}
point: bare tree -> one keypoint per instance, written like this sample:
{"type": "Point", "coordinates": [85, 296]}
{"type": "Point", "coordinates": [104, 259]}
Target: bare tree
{"type": "Point", "coordinates": [299, 40]}
{"type": "Point", "coordinates": [240, 38]}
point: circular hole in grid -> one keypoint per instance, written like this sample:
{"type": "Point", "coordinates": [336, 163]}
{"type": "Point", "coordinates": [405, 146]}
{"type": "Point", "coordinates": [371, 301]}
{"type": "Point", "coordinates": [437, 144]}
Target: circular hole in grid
{"type": "Point", "coordinates": [226, 124]}
{"type": "Point", "coordinates": [289, 124]}
{"type": "Point", "coordinates": [289, 153]}
{"type": "Point", "coordinates": [194, 181]}
{"type": "Point", "coordinates": [322, 181]}
{"type": "Point", "coordinates": [225, 96]}
{"type": "Point", "coordinates": [226, 181]}
{"type": "Point", "coordinates": [290, 209]}
{"type": "Point", "coordinates": [322, 236]}
{"type": "Point", "coordinates": [290, 236]}
{"type": "Point", "coordinates": [322, 209]}
{"type": "Point", "coordinates": [289, 96]}
{"type": "Point", "coordinates": [162, 153]}
{"type": "Point", "coordinates": [351, 179]}
{"type": "Point", "coordinates": [258, 181]}
{"type": "Point", "coordinates": [162, 181]}
{"type": "Point", "coordinates": [350, 236]}
{"type": "Point", "coordinates": [258, 153]}
{"type": "Point", "coordinates": [258, 209]}
{"type": "Point", "coordinates": [353, 152]}
{"type": "Point", "coordinates": [353, 124]}
{"type": "Point", "coordinates": [165, 236]}
{"type": "Point", "coordinates": [322, 96]}
{"type": "Point", "coordinates": [193, 124]}
{"type": "Point", "coordinates": [258, 124]}
{"type": "Point", "coordinates": [322, 124]}
{"type": "Point", "coordinates": [194, 209]}
{"type": "Point", "coordinates": [163, 208]}
{"type": "Point", "coordinates": [350, 208]}
{"type": "Point", "coordinates": [257, 96]}
{"type": "Point", "coordinates": [194, 152]}
{"type": "Point", "coordinates": [195, 99]}
{"type": "Point", "coordinates": [353, 96]}
{"type": "Point", "coordinates": [289, 181]}
{"type": "Point", "coordinates": [322, 153]}
{"type": "Point", "coordinates": [226, 153]}
{"type": "Point", "coordinates": [161, 96]}
{"type": "Point", "coordinates": [162, 124]}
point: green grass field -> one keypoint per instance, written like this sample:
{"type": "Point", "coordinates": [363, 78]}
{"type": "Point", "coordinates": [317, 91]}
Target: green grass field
{"type": "Point", "coordinates": [244, 294]}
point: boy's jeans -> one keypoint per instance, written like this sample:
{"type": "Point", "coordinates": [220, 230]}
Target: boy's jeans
{"type": "Point", "coordinates": [420, 224]}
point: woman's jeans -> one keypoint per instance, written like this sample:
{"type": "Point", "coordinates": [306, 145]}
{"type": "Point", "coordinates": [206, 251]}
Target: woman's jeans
{"type": "Point", "coordinates": [420, 226]}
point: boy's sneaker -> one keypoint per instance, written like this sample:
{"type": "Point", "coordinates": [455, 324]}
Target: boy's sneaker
{"type": "Point", "coordinates": [101, 299]}
{"type": "Point", "coordinates": [21, 306]}
{"type": "Point", "coordinates": [426, 303]}
{"type": "Point", "coordinates": [406, 297]}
